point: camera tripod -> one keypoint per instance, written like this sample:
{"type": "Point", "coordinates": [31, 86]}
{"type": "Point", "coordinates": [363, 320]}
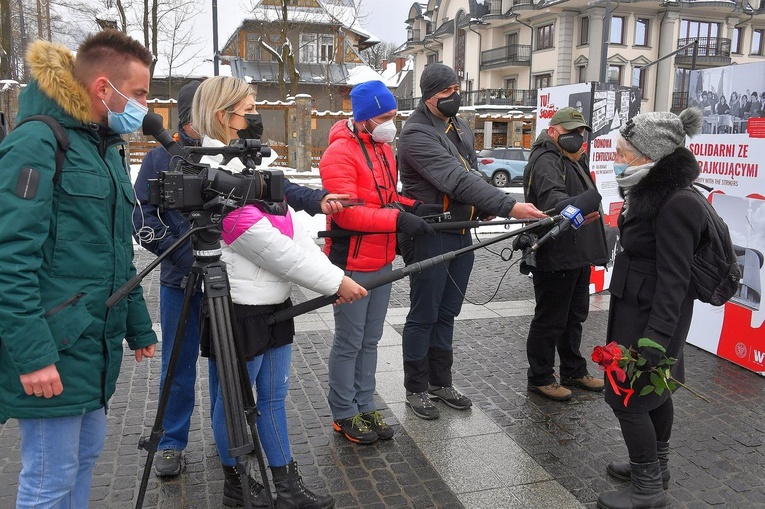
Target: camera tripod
{"type": "Point", "coordinates": [239, 406]}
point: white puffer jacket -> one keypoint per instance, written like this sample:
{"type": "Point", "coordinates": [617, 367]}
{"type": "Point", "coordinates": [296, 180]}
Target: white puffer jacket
{"type": "Point", "coordinates": [265, 253]}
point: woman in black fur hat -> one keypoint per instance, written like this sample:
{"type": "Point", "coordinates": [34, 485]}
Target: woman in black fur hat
{"type": "Point", "coordinates": [661, 224]}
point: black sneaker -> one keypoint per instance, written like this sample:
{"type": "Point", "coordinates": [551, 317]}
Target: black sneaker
{"type": "Point", "coordinates": [168, 463]}
{"type": "Point", "coordinates": [450, 396]}
{"type": "Point", "coordinates": [421, 405]}
{"type": "Point", "coordinates": [356, 429]}
{"type": "Point", "coordinates": [378, 425]}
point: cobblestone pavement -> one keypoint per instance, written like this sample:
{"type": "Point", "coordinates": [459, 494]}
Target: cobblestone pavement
{"type": "Point", "coordinates": [717, 451]}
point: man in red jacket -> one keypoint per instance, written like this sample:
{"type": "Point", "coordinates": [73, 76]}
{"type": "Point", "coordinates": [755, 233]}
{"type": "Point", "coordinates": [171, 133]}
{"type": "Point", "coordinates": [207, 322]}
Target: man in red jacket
{"type": "Point", "coordinates": [360, 163]}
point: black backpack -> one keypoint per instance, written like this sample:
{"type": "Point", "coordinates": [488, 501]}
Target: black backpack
{"type": "Point", "coordinates": [62, 140]}
{"type": "Point", "coordinates": [715, 272]}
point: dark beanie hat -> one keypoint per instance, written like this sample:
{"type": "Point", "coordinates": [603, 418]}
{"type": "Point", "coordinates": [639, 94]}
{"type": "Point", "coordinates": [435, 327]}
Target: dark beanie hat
{"type": "Point", "coordinates": [185, 99]}
{"type": "Point", "coordinates": [371, 99]}
{"type": "Point", "coordinates": [436, 77]}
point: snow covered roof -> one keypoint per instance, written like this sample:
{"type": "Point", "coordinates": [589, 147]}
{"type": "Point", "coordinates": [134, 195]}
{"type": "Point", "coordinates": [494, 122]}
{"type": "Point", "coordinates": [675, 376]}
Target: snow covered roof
{"type": "Point", "coordinates": [320, 74]}
{"type": "Point", "coordinates": [330, 12]}
{"type": "Point", "coordinates": [362, 74]}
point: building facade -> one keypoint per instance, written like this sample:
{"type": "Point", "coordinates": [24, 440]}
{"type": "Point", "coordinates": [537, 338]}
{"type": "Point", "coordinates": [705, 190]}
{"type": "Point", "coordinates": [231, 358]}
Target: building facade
{"type": "Point", "coordinates": [300, 47]}
{"type": "Point", "coordinates": [504, 50]}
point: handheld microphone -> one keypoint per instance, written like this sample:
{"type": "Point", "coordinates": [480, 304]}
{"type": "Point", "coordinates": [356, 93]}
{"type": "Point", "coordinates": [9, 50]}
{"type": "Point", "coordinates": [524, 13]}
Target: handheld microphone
{"type": "Point", "coordinates": [573, 215]}
{"type": "Point", "coordinates": [558, 207]}
{"type": "Point", "coordinates": [152, 126]}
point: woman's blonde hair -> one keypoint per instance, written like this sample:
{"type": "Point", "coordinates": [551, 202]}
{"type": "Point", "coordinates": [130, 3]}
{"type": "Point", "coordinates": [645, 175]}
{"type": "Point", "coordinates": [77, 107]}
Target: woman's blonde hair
{"type": "Point", "coordinates": [220, 93]}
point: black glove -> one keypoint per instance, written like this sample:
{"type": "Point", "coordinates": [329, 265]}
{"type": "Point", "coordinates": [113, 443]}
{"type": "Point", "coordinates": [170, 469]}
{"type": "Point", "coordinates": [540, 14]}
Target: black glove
{"type": "Point", "coordinates": [651, 355]}
{"type": "Point", "coordinates": [411, 225]}
{"type": "Point", "coordinates": [426, 209]}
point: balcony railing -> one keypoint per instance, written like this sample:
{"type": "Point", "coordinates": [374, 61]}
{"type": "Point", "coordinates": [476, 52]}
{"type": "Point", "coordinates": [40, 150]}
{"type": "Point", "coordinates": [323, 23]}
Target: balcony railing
{"type": "Point", "coordinates": [500, 97]}
{"type": "Point", "coordinates": [495, 8]}
{"type": "Point", "coordinates": [485, 97]}
{"type": "Point", "coordinates": [709, 51]}
{"type": "Point", "coordinates": [679, 101]}
{"type": "Point", "coordinates": [522, 4]}
{"type": "Point", "coordinates": [514, 54]}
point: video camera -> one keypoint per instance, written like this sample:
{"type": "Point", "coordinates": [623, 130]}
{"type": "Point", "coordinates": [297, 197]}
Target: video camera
{"type": "Point", "coordinates": [193, 186]}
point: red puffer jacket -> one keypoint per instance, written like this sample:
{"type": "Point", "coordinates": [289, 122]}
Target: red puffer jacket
{"type": "Point", "coordinates": [346, 170]}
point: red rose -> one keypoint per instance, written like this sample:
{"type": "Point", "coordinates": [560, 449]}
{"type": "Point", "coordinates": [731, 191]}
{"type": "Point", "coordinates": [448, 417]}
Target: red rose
{"type": "Point", "coordinates": [608, 357]}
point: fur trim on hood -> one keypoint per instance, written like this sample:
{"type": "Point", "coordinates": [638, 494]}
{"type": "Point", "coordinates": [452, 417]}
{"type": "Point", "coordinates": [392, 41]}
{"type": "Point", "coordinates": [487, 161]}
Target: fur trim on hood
{"type": "Point", "coordinates": [671, 173]}
{"type": "Point", "coordinates": [52, 66]}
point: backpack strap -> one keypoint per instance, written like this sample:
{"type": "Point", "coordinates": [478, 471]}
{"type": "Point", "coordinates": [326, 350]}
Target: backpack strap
{"type": "Point", "coordinates": [62, 140]}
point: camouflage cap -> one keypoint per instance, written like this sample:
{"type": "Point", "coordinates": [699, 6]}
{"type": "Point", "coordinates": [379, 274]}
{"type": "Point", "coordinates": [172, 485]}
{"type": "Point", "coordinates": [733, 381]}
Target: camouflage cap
{"type": "Point", "coordinates": [569, 118]}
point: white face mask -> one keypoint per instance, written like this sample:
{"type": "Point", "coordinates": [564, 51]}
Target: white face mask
{"type": "Point", "coordinates": [385, 132]}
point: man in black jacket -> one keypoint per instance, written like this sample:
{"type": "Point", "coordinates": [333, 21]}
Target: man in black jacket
{"type": "Point", "coordinates": [557, 170]}
{"type": "Point", "coordinates": [437, 165]}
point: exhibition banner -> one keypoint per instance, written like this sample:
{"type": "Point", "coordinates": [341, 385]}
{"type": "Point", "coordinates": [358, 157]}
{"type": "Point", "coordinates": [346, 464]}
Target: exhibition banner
{"type": "Point", "coordinates": [731, 155]}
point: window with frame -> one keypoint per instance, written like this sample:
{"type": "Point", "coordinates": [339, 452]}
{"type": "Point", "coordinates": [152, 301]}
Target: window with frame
{"type": "Point", "coordinates": [690, 29]}
{"type": "Point", "coordinates": [584, 31]}
{"type": "Point", "coordinates": [616, 36]}
{"type": "Point", "coordinates": [642, 35]}
{"type": "Point", "coordinates": [326, 48]}
{"type": "Point", "coordinates": [542, 80]}
{"type": "Point", "coordinates": [735, 42]}
{"type": "Point", "coordinates": [757, 39]}
{"type": "Point", "coordinates": [432, 58]}
{"type": "Point", "coordinates": [545, 35]}
{"type": "Point", "coordinates": [308, 48]}
{"type": "Point", "coordinates": [614, 74]}
{"type": "Point", "coordinates": [581, 74]}
{"type": "Point", "coordinates": [511, 83]}
{"type": "Point", "coordinates": [253, 47]}
{"type": "Point", "coordinates": [639, 79]}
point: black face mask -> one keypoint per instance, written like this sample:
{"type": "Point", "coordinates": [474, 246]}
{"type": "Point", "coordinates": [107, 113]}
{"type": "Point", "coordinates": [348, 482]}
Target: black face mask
{"type": "Point", "coordinates": [449, 106]}
{"type": "Point", "coordinates": [571, 142]}
{"type": "Point", "coordinates": [254, 129]}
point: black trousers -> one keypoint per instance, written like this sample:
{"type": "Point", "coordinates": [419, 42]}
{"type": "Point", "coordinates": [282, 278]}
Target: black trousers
{"type": "Point", "coordinates": [642, 430]}
{"type": "Point", "coordinates": [562, 304]}
{"type": "Point", "coordinates": [436, 297]}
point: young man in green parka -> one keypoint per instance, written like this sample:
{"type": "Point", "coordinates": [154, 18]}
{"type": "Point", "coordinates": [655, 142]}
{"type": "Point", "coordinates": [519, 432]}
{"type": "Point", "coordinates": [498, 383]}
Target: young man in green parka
{"type": "Point", "coordinates": [65, 247]}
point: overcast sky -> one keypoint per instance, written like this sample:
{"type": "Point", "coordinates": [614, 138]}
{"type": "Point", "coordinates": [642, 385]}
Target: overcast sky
{"type": "Point", "coordinates": [383, 18]}
{"type": "Point", "coordinates": [386, 19]}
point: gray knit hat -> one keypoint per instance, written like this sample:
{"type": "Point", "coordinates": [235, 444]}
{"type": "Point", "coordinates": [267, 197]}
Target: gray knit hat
{"type": "Point", "coordinates": [436, 77]}
{"type": "Point", "coordinates": [658, 134]}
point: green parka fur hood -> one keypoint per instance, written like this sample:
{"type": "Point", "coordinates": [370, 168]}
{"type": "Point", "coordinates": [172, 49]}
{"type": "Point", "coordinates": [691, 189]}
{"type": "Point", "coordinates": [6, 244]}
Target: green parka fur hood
{"type": "Point", "coordinates": [64, 249]}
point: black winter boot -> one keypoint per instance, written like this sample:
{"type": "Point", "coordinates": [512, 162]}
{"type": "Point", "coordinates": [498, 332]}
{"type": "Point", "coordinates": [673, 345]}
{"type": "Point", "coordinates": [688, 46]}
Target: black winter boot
{"type": "Point", "coordinates": [291, 493]}
{"type": "Point", "coordinates": [644, 491]}
{"type": "Point", "coordinates": [232, 490]}
{"type": "Point", "coordinates": [621, 470]}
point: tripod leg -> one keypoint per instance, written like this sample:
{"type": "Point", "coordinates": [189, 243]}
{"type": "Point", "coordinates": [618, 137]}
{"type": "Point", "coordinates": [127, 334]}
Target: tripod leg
{"type": "Point", "coordinates": [150, 445]}
{"type": "Point", "coordinates": [236, 388]}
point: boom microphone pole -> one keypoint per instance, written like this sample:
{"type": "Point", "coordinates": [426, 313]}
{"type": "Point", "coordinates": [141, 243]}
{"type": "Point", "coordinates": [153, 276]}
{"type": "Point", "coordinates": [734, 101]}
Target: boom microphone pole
{"type": "Point", "coordinates": [583, 204]}
{"type": "Point", "coordinates": [454, 225]}
{"type": "Point", "coordinates": [395, 275]}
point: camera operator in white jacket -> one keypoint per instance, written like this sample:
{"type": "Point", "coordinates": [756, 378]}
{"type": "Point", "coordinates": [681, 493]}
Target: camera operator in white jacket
{"type": "Point", "coordinates": [265, 252]}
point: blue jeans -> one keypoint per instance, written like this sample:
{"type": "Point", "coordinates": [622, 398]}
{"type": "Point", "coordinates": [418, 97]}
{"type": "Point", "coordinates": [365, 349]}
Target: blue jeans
{"type": "Point", "coordinates": [270, 374]}
{"type": "Point", "coordinates": [353, 357]}
{"type": "Point", "coordinates": [57, 460]}
{"type": "Point", "coordinates": [180, 406]}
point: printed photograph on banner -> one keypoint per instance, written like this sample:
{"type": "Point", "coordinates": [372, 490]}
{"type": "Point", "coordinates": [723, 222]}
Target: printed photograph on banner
{"type": "Point", "coordinates": [729, 97]}
{"type": "Point", "coordinates": [745, 218]}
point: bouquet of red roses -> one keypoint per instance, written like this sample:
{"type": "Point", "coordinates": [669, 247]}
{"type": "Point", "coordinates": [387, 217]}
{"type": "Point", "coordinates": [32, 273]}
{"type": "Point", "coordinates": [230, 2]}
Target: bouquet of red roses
{"type": "Point", "coordinates": [627, 362]}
